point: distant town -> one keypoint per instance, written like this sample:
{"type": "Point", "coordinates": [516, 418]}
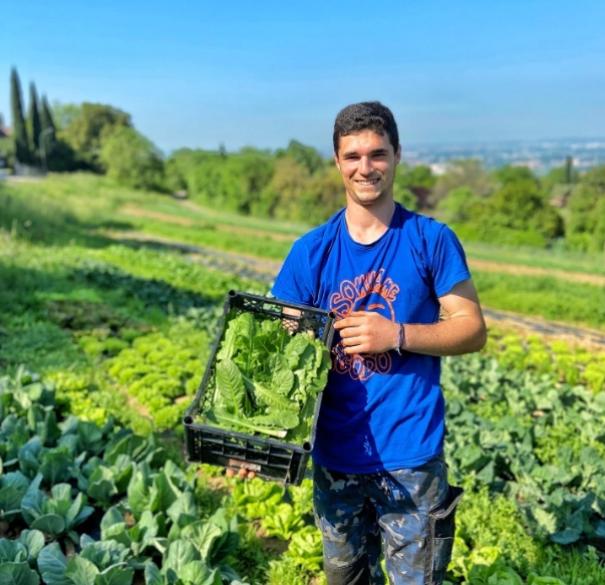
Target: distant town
{"type": "Point", "coordinates": [538, 155]}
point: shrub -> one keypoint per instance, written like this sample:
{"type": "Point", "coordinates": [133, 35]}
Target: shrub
{"type": "Point", "coordinates": [131, 159]}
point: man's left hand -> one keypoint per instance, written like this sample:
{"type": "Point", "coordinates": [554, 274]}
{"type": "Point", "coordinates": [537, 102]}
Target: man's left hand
{"type": "Point", "coordinates": [367, 332]}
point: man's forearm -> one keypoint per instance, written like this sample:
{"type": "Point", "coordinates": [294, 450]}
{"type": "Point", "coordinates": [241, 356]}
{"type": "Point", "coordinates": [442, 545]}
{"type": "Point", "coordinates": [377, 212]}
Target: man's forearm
{"type": "Point", "coordinates": [453, 336]}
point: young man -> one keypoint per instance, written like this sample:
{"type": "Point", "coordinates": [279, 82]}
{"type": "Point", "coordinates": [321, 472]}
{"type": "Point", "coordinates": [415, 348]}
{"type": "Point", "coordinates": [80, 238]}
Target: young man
{"type": "Point", "coordinates": [387, 273]}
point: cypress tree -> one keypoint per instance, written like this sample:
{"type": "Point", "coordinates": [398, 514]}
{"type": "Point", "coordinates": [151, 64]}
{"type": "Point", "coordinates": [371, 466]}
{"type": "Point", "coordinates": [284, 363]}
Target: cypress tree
{"type": "Point", "coordinates": [22, 153]}
{"type": "Point", "coordinates": [46, 117]}
{"type": "Point", "coordinates": [34, 122]}
{"type": "Point", "coordinates": [47, 133]}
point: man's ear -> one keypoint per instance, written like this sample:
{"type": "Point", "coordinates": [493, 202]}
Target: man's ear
{"type": "Point", "coordinates": [336, 162]}
{"type": "Point", "coordinates": [398, 154]}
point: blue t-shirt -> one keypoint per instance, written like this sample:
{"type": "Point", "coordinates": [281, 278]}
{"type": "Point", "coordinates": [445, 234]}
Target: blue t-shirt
{"type": "Point", "coordinates": [379, 411]}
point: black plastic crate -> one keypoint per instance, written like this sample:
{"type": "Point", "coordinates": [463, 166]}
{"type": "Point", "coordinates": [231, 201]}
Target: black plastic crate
{"type": "Point", "coordinates": [267, 457]}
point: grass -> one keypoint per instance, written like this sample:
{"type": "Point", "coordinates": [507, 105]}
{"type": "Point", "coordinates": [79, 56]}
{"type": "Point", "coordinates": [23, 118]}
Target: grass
{"type": "Point", "coordinates": [198, 212]}
{"type": "Point", "coordinates": [72, 300]}
{"type": "Point", "coordinates": [261, 245]}
{"type": "Point", "coordinates": [67, 310]}
{"type": "Point", "coordinates": [536, 257]}
{"type": "Point", "coordinates": [581, 304]}
{"type": "Point", "coordinates": [77, 210]}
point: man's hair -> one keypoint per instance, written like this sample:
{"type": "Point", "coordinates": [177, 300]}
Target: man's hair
{"type": "Point", "coordinates": [365, 116]}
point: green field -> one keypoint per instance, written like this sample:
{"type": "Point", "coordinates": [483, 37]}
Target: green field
{"type": "Point", "coordinates": [102, 346]}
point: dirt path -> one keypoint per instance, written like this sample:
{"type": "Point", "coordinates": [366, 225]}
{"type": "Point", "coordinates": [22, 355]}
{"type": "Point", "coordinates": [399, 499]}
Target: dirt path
{"type": "Point", "coordinates": [264, 270]}
{"type": "Point", "coordinates": [134, 211]}
{"type": "Point", "coordinates": [490, 266]}
{"type": "Point", "coordinates": [475, 263]}
{"type": "Point", "coordinates": [246, 266]}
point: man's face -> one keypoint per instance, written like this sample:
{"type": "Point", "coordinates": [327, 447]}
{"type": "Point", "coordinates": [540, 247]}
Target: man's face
{"type": "Point", "coordinates": [367, 162]}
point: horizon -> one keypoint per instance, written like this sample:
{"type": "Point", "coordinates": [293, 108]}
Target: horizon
{"type": "Point", "coordinates": [205, 75]}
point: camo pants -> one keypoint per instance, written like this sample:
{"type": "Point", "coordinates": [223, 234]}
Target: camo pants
{"type": "Point", "coordinates": [407, 514]}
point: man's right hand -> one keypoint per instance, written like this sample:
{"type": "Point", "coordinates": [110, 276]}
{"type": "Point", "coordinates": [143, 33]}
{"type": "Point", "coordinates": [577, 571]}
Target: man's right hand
{"type": "Point", "coordinates": [242, 473]}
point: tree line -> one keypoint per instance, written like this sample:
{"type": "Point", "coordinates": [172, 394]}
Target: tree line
{"type": "Point", "coordinates": [32, 133]}
{"type": "Point", "coordinates": [509, 205]}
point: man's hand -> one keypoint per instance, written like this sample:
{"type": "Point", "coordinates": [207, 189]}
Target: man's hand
{"type": "Point", "coordinates": [241, 469]}
{"type": "Point", "coordinates": [367, 332]}
{"type": "Point", "coordinates": [242, 473]}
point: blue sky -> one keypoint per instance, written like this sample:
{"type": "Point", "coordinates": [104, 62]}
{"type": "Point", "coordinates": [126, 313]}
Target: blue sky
{"type": "Point", "coordinates": [241, 73]}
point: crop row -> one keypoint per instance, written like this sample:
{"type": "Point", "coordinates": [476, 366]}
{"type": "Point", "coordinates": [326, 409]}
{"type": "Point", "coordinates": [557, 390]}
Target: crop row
{"type": "Point", "coordinates": [85, 504]}
{"type": "Point", "coordinates": [564, 361]}
{"type": "Point", "coordinates": [540, 444]}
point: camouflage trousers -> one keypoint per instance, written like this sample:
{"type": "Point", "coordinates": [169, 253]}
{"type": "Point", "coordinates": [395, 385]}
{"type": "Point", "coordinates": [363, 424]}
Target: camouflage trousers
{"type": "Point", "coordinates": [407, 514]}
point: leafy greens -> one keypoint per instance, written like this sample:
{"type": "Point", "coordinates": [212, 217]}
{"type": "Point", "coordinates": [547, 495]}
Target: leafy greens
{"type": "Point", "coordinates": [267, 380]}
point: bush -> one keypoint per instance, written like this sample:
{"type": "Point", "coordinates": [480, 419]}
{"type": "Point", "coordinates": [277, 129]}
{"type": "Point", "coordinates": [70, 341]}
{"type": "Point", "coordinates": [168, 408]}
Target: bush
{"type": "Point", "coordinates": [7, 152]}
{"type": "Point", "coordinates": [131, 159]}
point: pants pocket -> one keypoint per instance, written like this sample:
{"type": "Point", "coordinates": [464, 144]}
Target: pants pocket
{"type": "Point", "coordinates": [440, 539]}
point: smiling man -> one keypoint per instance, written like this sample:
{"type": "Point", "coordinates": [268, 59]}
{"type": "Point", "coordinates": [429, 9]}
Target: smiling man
{"type": "Point", "coordinates": [380, 479]}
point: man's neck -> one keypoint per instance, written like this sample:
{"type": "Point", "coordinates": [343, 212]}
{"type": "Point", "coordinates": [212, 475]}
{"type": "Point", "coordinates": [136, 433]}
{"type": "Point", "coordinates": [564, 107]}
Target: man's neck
{"type": "Point", "coordinates": [368, 224]}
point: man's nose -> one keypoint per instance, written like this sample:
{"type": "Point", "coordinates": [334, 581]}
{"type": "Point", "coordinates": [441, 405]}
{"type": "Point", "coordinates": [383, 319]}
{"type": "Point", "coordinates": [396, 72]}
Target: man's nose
{"type": "Point", "coordinates": [365, 166]}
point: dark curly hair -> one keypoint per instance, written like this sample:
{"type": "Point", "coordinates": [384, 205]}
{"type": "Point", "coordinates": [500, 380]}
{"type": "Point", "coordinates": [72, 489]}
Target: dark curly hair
{"type": "Point", "coordinates": [365, 116]}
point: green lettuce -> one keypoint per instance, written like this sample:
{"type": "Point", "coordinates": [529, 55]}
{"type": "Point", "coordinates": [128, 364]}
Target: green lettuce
{"type": "Point", "coordinates": [266, 380]}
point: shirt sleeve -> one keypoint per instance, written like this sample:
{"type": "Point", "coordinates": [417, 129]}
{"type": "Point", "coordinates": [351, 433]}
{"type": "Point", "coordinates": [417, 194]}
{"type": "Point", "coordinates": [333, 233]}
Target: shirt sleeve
{"type": "Point", "coordinates": [448, 262]}
{"type": "Point", "coordinates": [292, 282]}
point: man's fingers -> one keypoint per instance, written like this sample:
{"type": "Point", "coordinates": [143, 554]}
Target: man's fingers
{"type": "Point", "coordinates": [353, 319]}
{"type": "Point", "coordinates": [356, 314]}
{"type": "Point", "coordinates": [350, 325]}
{"type": "Point", "coordinates": [241, 473]}
{"type": "Point", "coordinates": [352, 341]}
{"type": "Point", "coordinates": [355, 349]}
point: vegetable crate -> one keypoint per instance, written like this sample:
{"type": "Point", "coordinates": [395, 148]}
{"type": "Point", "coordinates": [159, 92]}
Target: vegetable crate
{"type": "Point", "coordinates": [268, 457]}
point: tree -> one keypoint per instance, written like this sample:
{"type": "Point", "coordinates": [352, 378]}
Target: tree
{"type": "Point", "coordinates": [54, 155]}
{"type": "Point", "coordinates": [283, 195]}
{"type": "Point", "coordinates": [563, 175]}
{"type": "Point", "coordinates": [131, 159]}
{"type": "Point", "coordinates": [22, 152]}
{"type": "Point", "coordinates": [520, 205]}
{"type": "Point", "coordinates": [85, 130]}
{"type": "Point", "coordinates": [413, 185]}
{"type": "Point", "coordinates": [323, 197]}
{"type": "Point", "coordinates": [467, 173]}
{"type": "Point", "coordinates": [46, 116]}
{"type": "Point", "coordinates": [7, 152]}
{"type": "Point", "coordinates": [35, 126]}
{"type": "Point", "coordinates": [586, 209]}
{"type": "Point", "coordinates": [457, 206]}
{"type": "Point", "coordinates": [511, 174]}
{"type": "Point", "coordinates": [65, 114]}
{"type": "Point", "coordinates": [306, 156]}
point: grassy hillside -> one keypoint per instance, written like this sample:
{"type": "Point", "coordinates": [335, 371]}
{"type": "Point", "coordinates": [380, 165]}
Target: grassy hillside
{"type": "Point", "coordinates": [91, 210]}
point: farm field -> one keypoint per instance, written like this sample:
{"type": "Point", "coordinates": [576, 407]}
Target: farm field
{"type": "Point", "coordinates": [103, 338]}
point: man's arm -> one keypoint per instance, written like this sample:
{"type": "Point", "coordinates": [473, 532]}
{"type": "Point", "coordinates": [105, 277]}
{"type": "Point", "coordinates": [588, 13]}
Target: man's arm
{"type": "Point", "coordinates": [461, 330]}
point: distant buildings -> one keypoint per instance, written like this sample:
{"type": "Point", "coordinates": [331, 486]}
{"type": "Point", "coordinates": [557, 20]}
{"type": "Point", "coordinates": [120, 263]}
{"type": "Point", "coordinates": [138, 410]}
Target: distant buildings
{"type": "Point", "coordinates": [540, 156]}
